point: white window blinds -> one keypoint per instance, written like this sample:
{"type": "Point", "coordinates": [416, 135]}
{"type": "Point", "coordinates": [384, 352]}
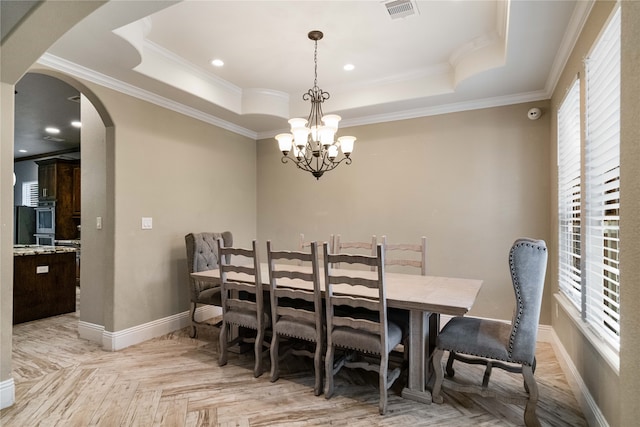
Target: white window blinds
{"type": "Point", "coordinates": [30, 193]}
{"type": "Point", "coordinates": [569, 195]}
{"type": "Point", "coordinates": [602, 182]}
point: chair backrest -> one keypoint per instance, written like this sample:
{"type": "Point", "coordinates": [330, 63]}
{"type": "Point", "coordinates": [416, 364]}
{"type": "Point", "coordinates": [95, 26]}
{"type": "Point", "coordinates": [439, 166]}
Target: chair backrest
{"type": "Point", "coordinates": [240, 281]}
{"type": "Point", "coordinates": [298, 287]}
{"type": "Point", "coordinates": [528, 265]}
{"type": "Point", "coordinates": [341, 291]}
{"type": "Point", "coordinates": [304, 245]}
{"type": "Point", "coordinates": [396, 254]}
{"type": "Point", "coordinates": [202, 255]}
{"type": "Point", "coordinates": [356, 247]}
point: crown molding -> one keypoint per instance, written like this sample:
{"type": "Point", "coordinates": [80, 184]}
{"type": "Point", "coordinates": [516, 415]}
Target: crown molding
{"type": "Point", "coordinates": [79, 71]}
{"type": "Point", "coordinates": [576, 24]}
{"type": "Point", "coordinates": [433, 111]}
{"type": "Point", "coordinates": [85, 73]}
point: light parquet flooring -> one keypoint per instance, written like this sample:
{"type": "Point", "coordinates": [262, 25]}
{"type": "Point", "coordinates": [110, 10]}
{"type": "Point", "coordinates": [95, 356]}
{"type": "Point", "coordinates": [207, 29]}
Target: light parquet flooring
{"type": "Point", "coordinates": [174, 380]}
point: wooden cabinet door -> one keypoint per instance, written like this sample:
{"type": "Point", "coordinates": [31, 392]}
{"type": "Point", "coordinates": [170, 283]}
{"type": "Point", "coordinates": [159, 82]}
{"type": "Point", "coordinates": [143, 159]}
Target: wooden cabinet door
{"type": "Point", "coordinates": [47, 181]}
{"type": "Point", "coordinates": [76, 192]}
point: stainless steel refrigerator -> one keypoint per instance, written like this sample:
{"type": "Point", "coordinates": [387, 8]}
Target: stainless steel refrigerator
{"type": "Point", "coordinates": [24, 220]}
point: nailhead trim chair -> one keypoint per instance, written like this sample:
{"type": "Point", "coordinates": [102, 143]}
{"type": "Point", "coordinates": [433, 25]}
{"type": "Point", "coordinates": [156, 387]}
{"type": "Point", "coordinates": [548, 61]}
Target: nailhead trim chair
{"type": "Point", "coordinates": [493, 342]}
{"type": "Point", "coordinates": [242, 300]}
{"type": "Point", "coordinates": [296, 308]}
{"type": "Point", "coordinates": [358, 324]}
{"type": "Point", "coordinates": [202, 255]}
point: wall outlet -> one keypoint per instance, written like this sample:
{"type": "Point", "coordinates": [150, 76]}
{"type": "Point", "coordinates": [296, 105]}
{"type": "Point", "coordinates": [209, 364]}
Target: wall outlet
{"type": "Point", "coordinates": [41, 269]}
{"type": "Point", "coordinates": [147, 223]}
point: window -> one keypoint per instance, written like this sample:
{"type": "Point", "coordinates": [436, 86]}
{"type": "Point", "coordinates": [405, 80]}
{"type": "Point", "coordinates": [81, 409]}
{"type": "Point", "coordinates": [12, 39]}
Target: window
{"type": "Point", "coordinates": [30, 193]}
{"type": "Point", "coordinates": [588, 214]}
{"type": "Point", "coordinates": [602, 182]}
{"type": "Point", "coordinates": [569, 194]}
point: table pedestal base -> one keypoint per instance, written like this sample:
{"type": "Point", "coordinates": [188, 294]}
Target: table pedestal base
{"type": "Point", "coordinates": [418, 396]}
{"type": "Point", "coordinates": [423, 329]}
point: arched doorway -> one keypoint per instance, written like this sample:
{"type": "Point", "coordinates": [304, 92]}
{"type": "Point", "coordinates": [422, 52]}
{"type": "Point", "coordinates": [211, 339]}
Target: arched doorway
{"type": "Point", "coordinates": [97, 202]}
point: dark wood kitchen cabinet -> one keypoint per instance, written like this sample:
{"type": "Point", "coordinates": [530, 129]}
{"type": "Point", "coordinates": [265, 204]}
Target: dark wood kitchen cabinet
{"type": "Point", "coordinates": [44, 285]}
{"type": "Point", "coordinates": [56, 184]}
{"type": "Point", "coordinates": [76, 191]}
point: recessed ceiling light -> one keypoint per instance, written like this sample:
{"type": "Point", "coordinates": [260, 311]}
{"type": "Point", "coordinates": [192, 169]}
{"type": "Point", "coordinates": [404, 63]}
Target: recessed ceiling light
{"type": "Point", "coordinates": [349, 67]}
{"type": "Point", "coordinates": [217, 62]}
{"type": "Point", "coordinates": [76, 124]}
{"type": "Point", "coordinates": [22, 151]}
{"type": "Point", "coordinates": [52, 130]}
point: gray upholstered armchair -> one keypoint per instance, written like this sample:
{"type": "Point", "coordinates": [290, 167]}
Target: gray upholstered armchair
{"type": "Point", "coordinates": [202, 254]}
{"type": "Point", "coordinates": [511, 347]}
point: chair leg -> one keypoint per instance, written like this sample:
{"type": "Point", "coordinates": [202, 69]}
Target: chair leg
{"type": "Point", "coordinates": [317, 364]}
{"type": "Point", "coordinates": [193, 332]}
{"type": "Point", "coordinates": [530, 418]}
{"type": "Point", "coordinates": [328, 369]}
{"type": "Point", "coordinates": [257, 370]}
{"type": "Point", "coordinates": [533, 370]}
{"type": "Point", "coordinates": [439, 375]}
{"type": "Point", "coordinates": [222, 357]}
{"type": "Point", "coordinates": [450, 371]}
{"type": "Point", "coordinates": [384, 382]}
{"type": "Point", "coordinates": [275, 355]}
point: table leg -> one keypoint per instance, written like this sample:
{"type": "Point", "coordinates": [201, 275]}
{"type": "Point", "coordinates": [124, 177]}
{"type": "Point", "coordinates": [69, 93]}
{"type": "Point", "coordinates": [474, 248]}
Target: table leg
{"type": "Point", "coordinates": [420, 324]}
{"type": "Point", "coordinates": [434, 329]}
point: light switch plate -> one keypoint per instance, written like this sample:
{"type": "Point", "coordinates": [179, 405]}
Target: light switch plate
{"type": "Point", "coordinates": [147, 223]}
{"type": "Point", "coordinates": [98, 223]}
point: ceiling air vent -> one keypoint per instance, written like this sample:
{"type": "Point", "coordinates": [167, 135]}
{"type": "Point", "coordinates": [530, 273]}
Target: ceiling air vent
{"type": "Point", "coordinates": [75, 98]}
{"type": "Point", "coordinates": [401, 8]}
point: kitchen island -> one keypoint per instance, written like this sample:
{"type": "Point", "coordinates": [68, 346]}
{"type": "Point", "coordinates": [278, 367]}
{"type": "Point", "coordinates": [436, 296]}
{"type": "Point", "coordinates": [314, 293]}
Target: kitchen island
{"type": "Point", "coordinates": [44, 281]}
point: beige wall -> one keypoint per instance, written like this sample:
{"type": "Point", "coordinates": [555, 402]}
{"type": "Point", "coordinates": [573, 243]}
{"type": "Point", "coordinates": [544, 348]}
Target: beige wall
{"type": "Point", "coordinates": [630, 220]}
{"type": "Point", "coordinates": [471, 182]}
{"type": "Point", "coordinates": [97, 245]}
{"type": "Point", "coordinates": [189, 177]}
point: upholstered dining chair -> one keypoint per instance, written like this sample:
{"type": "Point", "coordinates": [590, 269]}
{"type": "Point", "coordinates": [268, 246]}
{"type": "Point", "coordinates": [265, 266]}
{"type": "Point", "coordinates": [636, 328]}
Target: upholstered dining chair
{"type": "Point", "coordinates": [202, 255]}
{"type": "Point", "coordinates": [511, 347]}
{"type": "Point", "coordinates": [357, 247]}
{"type": "Point", "coordinates": [242, 300]}
{"type": "Point", "coordinates": [357, 321]}
{"type": "Point", "coordinates": [296, 307]}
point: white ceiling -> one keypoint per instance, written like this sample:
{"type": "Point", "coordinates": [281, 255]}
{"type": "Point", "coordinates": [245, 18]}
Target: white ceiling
{"type": "Point", "coordinates": [451, 55]}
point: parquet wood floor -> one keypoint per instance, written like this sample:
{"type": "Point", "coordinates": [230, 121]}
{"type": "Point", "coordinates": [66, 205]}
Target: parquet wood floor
{"type": "Point", "coordinates": [62, 380]}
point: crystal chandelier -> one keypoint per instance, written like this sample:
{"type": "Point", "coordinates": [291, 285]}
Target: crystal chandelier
{"type": "Point", "coordinates": [312, 139]}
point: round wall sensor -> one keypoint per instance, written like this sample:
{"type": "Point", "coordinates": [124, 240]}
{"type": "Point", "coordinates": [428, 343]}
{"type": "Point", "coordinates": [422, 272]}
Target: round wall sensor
{"type": "Point", "coordinates": [534, 113]}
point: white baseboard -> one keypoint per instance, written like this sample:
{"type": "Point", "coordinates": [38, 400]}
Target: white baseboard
{"type": "Point", "coordinates": [114, 341]}
{"type": "Point", "coordinates": [590, 409]}
{"type": "Point", "coordinates": [90, 331]}
{"type": "Point", "coordinates": [7, 393]}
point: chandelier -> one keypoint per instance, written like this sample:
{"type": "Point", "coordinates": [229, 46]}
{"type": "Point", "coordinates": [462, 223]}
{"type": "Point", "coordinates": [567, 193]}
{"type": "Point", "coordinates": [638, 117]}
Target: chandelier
{"type": "Point", "coordinates": [312, 139]}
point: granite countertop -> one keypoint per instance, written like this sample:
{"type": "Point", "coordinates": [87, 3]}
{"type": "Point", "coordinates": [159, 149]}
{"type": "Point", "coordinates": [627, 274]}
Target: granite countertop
{"type": "Point", "coordinates": [21, 250]}
{"type": "Point", "coordinates": [73, 242]}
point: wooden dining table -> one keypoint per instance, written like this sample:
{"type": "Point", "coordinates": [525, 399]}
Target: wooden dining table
{"type": "Point", "coordinates": [424, 297]}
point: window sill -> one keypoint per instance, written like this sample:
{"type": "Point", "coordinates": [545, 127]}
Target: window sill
{"type": "Point", "coordinates": [609, 354]}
